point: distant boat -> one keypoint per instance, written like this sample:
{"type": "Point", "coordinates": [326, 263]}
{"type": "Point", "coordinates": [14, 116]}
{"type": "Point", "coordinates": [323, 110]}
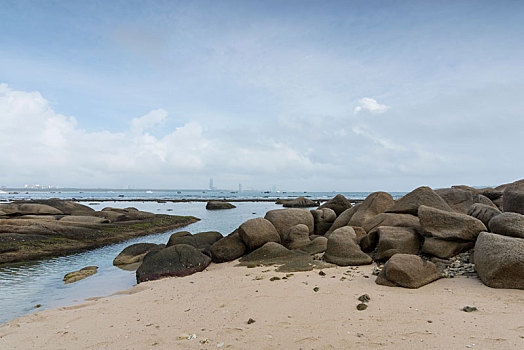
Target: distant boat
{"type": "Point", "coordinates": [149, 191]}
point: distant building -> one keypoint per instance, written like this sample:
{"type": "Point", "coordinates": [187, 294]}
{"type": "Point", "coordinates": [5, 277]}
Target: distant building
{"type": "Point", "coordinates": [211, 187]}
{"type": "Point", "coordinates": [239, 187]}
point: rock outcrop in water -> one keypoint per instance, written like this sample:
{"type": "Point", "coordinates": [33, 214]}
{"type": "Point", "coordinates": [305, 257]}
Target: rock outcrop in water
{"type": "Point", "coordinates": [40, 228]}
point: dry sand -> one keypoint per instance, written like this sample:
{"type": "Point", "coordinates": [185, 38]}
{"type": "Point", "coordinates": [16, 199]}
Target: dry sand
{"type": "Point", "coordinates": [216, 304]}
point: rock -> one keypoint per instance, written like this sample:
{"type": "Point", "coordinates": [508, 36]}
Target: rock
{"type": "Point", "coordinates": [217, 205]}
{"type": "Point", "coordinates": [508, 224]}
{"type": "Point", "coordinates": [135, 253]}
{"type": "Point", "coordinates": [338, 204]}
{"type": "Point", "coordinates": [131, 213]}
{"type": "Point", "coordinates": [421, 196]}
{"type": "Point", "coordinates": [228, 248]}
{"type": "Point", "coordinates": [299, 202]}
{"type": "Point", "coordinates": [15, 209]}
{"type": "Point", "coordinates": [323, 219]}
{"type": "Point", "coordinates": [445, 249]}
{"type": "Point", "coordinates": [84, 219]}
{"type": "Point", "coordinates": [283, 219]}
{"type": "Point", "coordinates": [111, 216]}
{"type": "Point", "coordinates": [177, 260]}
{"type": "Point", "coordinates": [483, 212]}
{"type": "Point", "coordinates": [491, 193]}
{"type": "Point", "coordinates": [66, 207]}
{"type": "Point", "coordinates": [296, 237]}
{"type": "Point", "coordinates": [257, 232]}
{"type": "Point", "coordinates": [343, 251]}
{"type": "Point", "coordinates": [513, 201]}
{"type": "Point", "coordinates": [316, 246]}
{"type": "Point", "coordinates": [499, 260]}
{"type": "Point", "coordinates": [376, 203]}
{"type": "Point", "coordinates": [267, 253]}
{"type": "Point", "coordinates": [201, 241]}
{"type": "Point", "coordinates": [80, 274]}
{"type": "Point", "coordinates": [361, 233]}
{"type": "Point", "coordinates": [361, 307]}
{"type": "Point", "coordinates": [408, 271]}
{"type": "Point", "coordinates": [343, 219]}
{"type": "Point", "coordinates": [461, 200]}
{"type": "Point", "coordinates": [449, 225]}
{"type": "Point", "coordinates": [396, 240]}
{"type": "Point", "coordinates": [391, 219]}
{"type": "Point", "coordinates": [347, 230]}
{"type": "Point", "coordinates": [469, 308]}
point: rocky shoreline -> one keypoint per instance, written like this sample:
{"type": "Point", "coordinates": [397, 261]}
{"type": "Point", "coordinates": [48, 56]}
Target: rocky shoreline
{"type": "Point", "coordinates": [36, 229]}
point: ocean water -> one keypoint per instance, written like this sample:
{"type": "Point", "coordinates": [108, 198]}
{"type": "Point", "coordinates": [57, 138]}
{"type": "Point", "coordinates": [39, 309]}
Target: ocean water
{"type": "Point", "coordinates": [25, 285]}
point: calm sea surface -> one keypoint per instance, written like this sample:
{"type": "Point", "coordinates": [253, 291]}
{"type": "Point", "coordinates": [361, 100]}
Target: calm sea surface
{"type": "Point", "coordinates": [25, 285]}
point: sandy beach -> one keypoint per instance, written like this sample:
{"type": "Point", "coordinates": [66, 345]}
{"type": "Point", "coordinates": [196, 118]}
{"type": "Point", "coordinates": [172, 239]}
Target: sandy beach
{"type": "Point", "coordinates": [211, 310]}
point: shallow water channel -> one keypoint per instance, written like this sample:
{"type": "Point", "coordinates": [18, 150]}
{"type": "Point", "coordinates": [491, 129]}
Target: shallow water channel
{"type": "Point", "coordinates": [25, 285]}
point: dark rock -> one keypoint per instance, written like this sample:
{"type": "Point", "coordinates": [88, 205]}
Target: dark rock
{"type": "Point", "coordinates": [201, 241]}
{"type": "Point", "coordinates": [296, 237]}
{"type": "Point", "coordinates": [483, 212]}
{"type": "Point", "coordinates": [177, 260]}
{"type": "Point", "coordinates": [343, 219]}
{"type": "Point", "coordinates": [513, 201]}
{"type": "Point", "coordinates": [299, 202]}
{"type": "Point", "coordinates": [508, 224]}
{"type": "Point", "coordinates": [491, 193]}
{"type": "Point", "coordinates": [499, 260]}
{"type": "Point", "coordinates": [228, 248]}
{"type": "Point", "coordinates": [409, 271]}
{"type": "Point", "coordinates": [376, 203]}
{"type": "Point", "coordinates": [343, 251]}
{"type": "Point", "coordinates": [449, 225]}
{"type": "Point", "coordinates": [338, 204]}
{"type": "Point", "coordinates": [217, 205]}
{"type": "Point", "coordinates": [284, 219]}
{"type": "Point", "coordinates": [461, 200]}
{"type": "Point", "coordinates": [421, 196]}
{"type": "Point", "coordinates": [135, 253]}
{"type": "Point", "coordinates": [469, 308]}
{"type": "Point", "coordinates": [396, 240]}
{"type": "Point", "coordinates": [445, 249]}
{"type": "Point", "coordinates": [323, 219]}
{"type": "Point", "coordinates": [257, 232]}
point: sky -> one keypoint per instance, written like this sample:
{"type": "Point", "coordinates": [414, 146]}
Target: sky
{"type": "Point", "coordinates": [299, 95]}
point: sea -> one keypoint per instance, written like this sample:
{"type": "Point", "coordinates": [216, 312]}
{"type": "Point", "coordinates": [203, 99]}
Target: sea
{"type": "Point", "coordinates": [37, 285]}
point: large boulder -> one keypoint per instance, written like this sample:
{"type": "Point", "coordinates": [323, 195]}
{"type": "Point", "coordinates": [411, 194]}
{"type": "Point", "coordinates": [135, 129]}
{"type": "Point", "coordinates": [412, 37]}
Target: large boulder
{"type": "Point", "coordinates": [177, 260]}
{"type": "Point", "coordinates": [16, 209]}
{"type": "Point", "coordinates": [317, 245]}
{"type": "Point", "coordinates": [338, 204]}
{"type": "Point", "coordinates": [284, 219]}
{"type": "Point", "coordinates": [296, 237]}
{"type": "Point", "coordinates": [343, 251]}
{"type": "Point", "coordinates": [449, 225]}
{"type": "Point", "coordinates": [445, 249]}
{"type": "Point", "coordinates": [257, 232]}
{"type": "Point", "coordinates": [408, 271]}
{"type": "Point", "coordinates": [483, 212]}
{"type": "Point", "coordinates": [228, 248]}
{"type": "Point", "coordinates": [66, 207]}
{"type": "Point", "coordinates": [391, 219]}
{"type": "Point", "coordinates": [499, 260]}
{"type": "Point", "coordinates": [461, 200]}
{"type": "Point", "coordinates": [217, 205]}
{"type": "Point", "coordinates": [396, 240]}
{"type": "Point", "coordinates": [343, 219]}
{"type": "Point", "coordinates": [513, 200]}
{"type": "Point", "coordinates": [421, 196]}
{"type": "Point", "coordinates": [131, 213]}
{"type": "Point", "coordinates": [347, 231]}
{"type": "Point", "coordinates": [300, 202]}
{"type": "Point", "coordinates": [323, 219]}
{"type": "Point", "coordinates": [135, 253]}
{"type": "Point", "coordinates": [201, 241]}
{"type": "Point", "coordinates": [376, 203]}
{"type": "Point", "coordinates": [508, 224]}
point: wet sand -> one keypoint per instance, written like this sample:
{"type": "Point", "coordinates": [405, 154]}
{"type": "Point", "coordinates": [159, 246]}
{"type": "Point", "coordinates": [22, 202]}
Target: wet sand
{"type": "Point", "coordinates": [210, 310]}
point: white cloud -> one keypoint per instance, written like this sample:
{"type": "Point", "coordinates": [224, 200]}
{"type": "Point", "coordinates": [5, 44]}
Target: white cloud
{"type": "Point", "coordinates": [370, 105]}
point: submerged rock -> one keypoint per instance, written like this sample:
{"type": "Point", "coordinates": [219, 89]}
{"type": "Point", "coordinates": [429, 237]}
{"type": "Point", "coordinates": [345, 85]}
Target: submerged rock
{"type": "Point", "coordinates": [80, 274]}
{"type": "Point", "coordinates": [218, 205]}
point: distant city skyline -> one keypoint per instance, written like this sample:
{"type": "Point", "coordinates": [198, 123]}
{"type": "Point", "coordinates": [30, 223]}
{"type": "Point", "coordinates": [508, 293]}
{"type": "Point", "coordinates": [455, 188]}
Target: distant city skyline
{"type": "Point", "coordinates": [305, 95]}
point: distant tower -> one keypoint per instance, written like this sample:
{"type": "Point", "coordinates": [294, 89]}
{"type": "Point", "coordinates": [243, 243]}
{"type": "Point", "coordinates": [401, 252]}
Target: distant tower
{"type": "Point", "coordinates": [239, 188]}
{"type": "Point", "coordinates": [211, 187]}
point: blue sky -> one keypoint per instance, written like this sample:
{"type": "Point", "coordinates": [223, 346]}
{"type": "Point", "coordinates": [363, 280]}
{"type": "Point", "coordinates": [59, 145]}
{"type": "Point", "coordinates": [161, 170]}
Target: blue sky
{"type": "Point", "coordinates": [304, 95]}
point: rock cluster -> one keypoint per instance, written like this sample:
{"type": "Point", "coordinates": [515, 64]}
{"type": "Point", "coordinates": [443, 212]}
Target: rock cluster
{"type": "Point", "coordinates": [418, 238]}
